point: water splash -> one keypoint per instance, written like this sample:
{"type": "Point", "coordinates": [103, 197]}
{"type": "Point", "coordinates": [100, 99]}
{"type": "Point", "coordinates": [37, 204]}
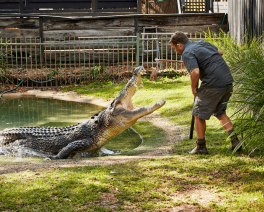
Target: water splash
{"type": "Point", "coordinates": [107, 152]}
{"type": "Point", "coordinates": [17, 151]}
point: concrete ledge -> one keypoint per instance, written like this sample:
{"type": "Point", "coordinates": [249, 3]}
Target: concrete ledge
{"type": "Point", "coordinates": [65, 96]}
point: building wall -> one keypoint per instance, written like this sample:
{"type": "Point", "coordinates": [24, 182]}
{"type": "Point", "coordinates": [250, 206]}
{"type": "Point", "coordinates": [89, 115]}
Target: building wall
{"type": "Point", "coordinates": [109, 26]}
{"type": "Point", "coordinates": [245, 16]}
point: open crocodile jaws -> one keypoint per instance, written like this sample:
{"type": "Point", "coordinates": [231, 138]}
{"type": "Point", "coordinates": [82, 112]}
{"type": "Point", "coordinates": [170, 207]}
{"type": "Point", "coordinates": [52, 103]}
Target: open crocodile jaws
{"type": "Point", "coordinates": [89, 136]}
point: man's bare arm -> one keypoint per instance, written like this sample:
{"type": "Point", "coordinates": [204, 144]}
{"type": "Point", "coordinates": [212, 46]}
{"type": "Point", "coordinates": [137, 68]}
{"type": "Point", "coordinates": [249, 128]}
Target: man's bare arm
{"type": "Point", "coordinates": [194, 80]}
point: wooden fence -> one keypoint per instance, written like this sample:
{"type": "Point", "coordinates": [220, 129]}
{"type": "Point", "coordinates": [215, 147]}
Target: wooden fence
{"type": "Point", "coordinates": [70, 27]}
{"type": "Point", "coordinates": [245, 16]}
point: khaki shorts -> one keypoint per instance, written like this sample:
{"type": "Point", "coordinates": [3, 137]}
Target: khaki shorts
{"type": "Point", "coordinates": [211, 101]}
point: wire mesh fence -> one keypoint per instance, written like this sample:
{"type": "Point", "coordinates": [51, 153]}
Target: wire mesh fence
{"type": "Point", "coordinates": [86, 59]}
{"type": "Point", "coordinates": [71, 61]}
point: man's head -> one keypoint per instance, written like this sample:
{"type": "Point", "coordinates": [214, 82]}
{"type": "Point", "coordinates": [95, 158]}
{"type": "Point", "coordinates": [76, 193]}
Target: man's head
{"type": "Point", "coordinates": [177, 41]}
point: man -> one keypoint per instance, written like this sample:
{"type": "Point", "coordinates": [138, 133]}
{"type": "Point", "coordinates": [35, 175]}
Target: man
{"type": "Point", "coordinates": [204, 61]}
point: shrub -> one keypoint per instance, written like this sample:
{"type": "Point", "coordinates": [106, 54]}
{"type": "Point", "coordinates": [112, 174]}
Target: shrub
{"type": "Point", "coordinates": [246, 61]}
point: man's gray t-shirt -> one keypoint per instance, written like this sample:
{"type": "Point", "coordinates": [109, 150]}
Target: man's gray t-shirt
{"type": "Point", "coordinates": [214, 72]}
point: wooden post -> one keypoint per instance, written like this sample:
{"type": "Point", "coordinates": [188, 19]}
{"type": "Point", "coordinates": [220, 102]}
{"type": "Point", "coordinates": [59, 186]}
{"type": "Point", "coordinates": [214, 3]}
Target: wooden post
{"type": "Point", "coordinates": [136, 25]}
{"type": "Point", "coordinates": [21, 6]}
{"type": "Point", "coordinates": [27, 5]}
{"type": "Point", "coordinates": [94, 5]}
{"type": "Point", "coordinates": [139, 6]}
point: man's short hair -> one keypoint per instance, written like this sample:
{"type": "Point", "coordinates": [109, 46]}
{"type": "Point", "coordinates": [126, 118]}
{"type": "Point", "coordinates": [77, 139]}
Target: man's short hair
{"type": "Point", "coordinates": [178, 37]}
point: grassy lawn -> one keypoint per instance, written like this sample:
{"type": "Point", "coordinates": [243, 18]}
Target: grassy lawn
{"type": "Point", "coordinates": [228, 184]}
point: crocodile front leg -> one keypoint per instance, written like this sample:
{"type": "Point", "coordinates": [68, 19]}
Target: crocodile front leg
{"type": "Point", "coordinates": [72, 148]}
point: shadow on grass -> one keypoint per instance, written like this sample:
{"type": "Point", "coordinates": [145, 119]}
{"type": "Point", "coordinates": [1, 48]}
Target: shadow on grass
{"type": "Point", "coordinates": [140, 184]}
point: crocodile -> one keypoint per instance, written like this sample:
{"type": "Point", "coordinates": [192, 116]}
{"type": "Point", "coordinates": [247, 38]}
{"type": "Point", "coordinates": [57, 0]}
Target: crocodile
{"type": "Point", "coordinates": [88, 136]}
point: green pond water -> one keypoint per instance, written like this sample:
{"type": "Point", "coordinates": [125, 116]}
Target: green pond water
{"type": "Point", "coordinates": [24, 112]}
{"type": "Point", "coordinates": [38, 111]}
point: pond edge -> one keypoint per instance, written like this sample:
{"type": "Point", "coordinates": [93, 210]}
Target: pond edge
{"type": "Point", "coordinates": [65, 96]}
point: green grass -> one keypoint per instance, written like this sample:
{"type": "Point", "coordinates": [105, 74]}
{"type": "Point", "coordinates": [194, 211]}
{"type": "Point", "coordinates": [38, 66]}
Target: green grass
{"type": "Point", "coordinates": [235, 184]}
{"type": "Point", "coordinates": [177, 93]}
{"type": "Point", "coordinates": [130, 143]}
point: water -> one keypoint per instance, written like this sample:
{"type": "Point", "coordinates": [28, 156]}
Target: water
{"type": "Point", "coordinates": [43, 112]}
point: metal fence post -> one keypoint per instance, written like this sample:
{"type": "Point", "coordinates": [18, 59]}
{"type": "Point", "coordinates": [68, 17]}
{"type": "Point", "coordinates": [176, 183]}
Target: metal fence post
{"type": "Point", "coordinates": [41, 39]}
{"type": "Point", "coordinates": [137, 50]}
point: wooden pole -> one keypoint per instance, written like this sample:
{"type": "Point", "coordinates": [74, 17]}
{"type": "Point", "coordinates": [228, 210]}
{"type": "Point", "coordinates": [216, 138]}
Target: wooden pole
{"type": "Point", "coordinates": [94, 6]}
{"type": "Point", "coordinates": [193, 119]}
{"type": "Point", "coordinates": [139, 6]}
{"type": "Point", "coordinates": [136, 25]}
{"type": "Point", "coordinates": [21, 6]}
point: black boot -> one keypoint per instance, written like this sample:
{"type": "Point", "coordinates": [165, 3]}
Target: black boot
{"type": "Point", "coordinates": [200, 148]}
{"type": "Point", "coordinates": [234, 141]}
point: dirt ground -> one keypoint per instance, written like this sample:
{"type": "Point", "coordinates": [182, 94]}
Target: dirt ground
{"type": "Point", "coordinates": [173, 136]}
{"type": "Point", "coordinates": [68, 75]}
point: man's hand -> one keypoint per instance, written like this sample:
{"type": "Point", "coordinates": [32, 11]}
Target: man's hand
{"type": "Point", "coordinates": [194, 80]}
{"type": "Point", "coordinates": [220, 52]}
{"type": "Point", "coordinates": [194, 91]}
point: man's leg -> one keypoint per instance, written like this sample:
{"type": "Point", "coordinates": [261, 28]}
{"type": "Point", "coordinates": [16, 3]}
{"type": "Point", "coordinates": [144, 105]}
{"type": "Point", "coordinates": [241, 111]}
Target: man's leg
{"type": "Point", "coordinates": [226, 123]}
{"type": "Point", "coordinates": [200, 128]}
